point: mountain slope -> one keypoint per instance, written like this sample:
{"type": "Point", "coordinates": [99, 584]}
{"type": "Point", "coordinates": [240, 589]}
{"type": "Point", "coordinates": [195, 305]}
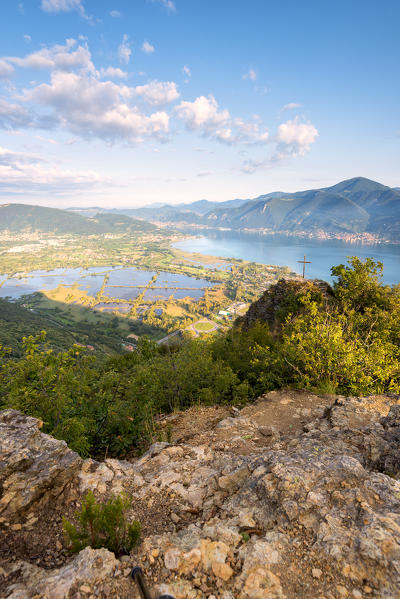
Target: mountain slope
{"type": "Point", "coordinates": [21, 217]}
{"type": "Point", "coordinates": [354, 206]}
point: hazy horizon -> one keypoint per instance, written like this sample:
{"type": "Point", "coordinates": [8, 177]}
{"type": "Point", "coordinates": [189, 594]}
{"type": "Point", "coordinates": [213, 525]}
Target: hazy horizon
{"type": "Point", "coordinates": [106, 206]}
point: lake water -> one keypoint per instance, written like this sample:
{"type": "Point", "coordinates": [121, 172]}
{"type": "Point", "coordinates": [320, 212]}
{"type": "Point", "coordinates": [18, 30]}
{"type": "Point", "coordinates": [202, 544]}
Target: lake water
{"type": "Point", "coordinates": [285, 251]}
{"type": "Point", "coordinates": [123, 283]}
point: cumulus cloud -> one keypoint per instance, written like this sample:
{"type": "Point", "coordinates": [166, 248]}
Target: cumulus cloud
{"type": "Point", "coordinates": [24, 171]}
{"type": "Point", "coordinates": [205, 116]}
{"type": "Point", "coordinates": [60, 57]}
{"type": "Point", "coordinates": [27, 38]}
{"type": "Point", "coordinates": [251, 74]}
{"type": "Point", "coordinates": [295, 138]}
{"type": "Point", "coordinates": [6, 70]}
{"type": "Point", "coordinates": [124, 50]}
{"type": "Point", "coordinates": [115, 14]}
{"type": "Point", "coordinates": [93, 103]}
{"type": "Point", "coordinates": [91, 108]}
{"type": "Point", "coordinates": [157, 93]}
{"type": "Point", "coordinates": [78, 99]}
{"type": "Point", "coordinates": [147, 48]}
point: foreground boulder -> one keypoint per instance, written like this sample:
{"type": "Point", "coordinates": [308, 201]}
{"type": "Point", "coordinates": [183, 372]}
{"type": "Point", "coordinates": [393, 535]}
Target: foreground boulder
{"type": "Point", "coordinates": [305, 506]}
{"type": "Point", "coordinates": [34, 467]}
{"type": "Point", "coordinates": [87, 570]}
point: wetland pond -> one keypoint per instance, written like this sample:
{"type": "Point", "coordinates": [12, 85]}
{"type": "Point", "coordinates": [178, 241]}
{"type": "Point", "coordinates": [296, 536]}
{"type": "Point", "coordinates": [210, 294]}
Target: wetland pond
{"type": "Point", "coordinates": [124, 283]}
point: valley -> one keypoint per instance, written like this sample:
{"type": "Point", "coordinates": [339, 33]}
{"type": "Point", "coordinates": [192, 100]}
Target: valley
{"type": "Point", "coordinates": [133, 283]}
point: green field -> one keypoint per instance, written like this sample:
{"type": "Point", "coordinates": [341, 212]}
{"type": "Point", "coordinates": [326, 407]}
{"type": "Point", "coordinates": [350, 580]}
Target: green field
{"type": "Point", "coordinates": [203, 326]}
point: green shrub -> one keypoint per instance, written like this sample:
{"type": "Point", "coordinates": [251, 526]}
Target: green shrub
{"type": "Point", "coordinates": [347, 343]}
{"type": "Point", "coordinates": [103, 525]}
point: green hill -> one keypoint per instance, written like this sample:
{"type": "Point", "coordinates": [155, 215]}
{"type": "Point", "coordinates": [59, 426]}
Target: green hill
{"type": "Point", "coordinates": [17, 321]}
{"type": "Point", "coordinates": [20, 217]}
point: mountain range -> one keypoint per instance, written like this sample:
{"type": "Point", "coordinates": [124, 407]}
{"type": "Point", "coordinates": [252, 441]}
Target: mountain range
{"type": "Point", "coordinates": [354, 206]}
{"type": "Point", "coordinates": [164, 212]}
{"type": "Point", "coordinates": [357, 205]}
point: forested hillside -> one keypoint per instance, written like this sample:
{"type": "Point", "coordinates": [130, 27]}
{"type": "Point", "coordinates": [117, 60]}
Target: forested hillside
{"type": "Point", "coordinates": [19, 217]}
{"type": "Point", "coordinates": [17, 322]}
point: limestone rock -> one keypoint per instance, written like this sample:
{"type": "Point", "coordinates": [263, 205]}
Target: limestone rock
{"type": "Point", "coordinates": [33, 466]}
{"type": "Point", "coordinates": [89, 568]}
{"type": "Point", "coordinates": [323, 500]}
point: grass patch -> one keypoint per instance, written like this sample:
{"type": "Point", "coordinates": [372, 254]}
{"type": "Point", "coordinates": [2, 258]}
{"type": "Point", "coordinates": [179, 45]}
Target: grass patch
{"type": "Point", "coordinates": [203, 326]}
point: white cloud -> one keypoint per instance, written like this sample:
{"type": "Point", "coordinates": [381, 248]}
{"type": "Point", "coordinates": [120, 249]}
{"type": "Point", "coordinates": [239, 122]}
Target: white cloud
{"type": "Point", "coordinates": [24, 171]}
{"type": "Point", "coordinates": [124, 50]}
{"type": "Point", "coordinates": [205, 116]}
{"type": "Point", "coordinates": [78, 100]}
{"type": "Point", "coordinates": [54, 6]}
{"type": "Point", "coordinates": [91, 108]}
{"type": "Point", "coordinates": [157, 93]}
{"type": "Point", "coordinates": [27, 38]}
{"type": "Point", "coordinates": [295, 138]}
{"type": "Point", "coordinates": [147, 48]}
{"type": "Point", "coordinates": [168, 4]}
{"type": "Point", "coordinates": [6, 70]}
{"type": "Point", "coordinates": [290, 106]}
{"type": "Point", "coordinates": [251, 74]}
{"type": "Point", "coordinates": [63, 58]}
{"type": "Point", "coordinates": [204, 173]}
{"type": "Point", "coordinates": [115, 14]}
{"type": "Point", "coordinates": [92, 103]}
{"type": "Point", "coordinates": [113, 73]}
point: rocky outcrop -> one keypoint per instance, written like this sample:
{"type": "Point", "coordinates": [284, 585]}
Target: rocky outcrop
{"type": "Point", "coordinates": [86, 571]}
{"type": "Point", "coordinates": [272, 307]}
{"type": "Point", "coordinates": [310, 508]}
{"type": "Point", "coordinates": [34, 467]}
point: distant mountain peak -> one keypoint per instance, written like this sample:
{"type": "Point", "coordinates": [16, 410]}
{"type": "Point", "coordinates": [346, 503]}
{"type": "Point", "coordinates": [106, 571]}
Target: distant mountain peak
{"type": "Point", "coordinates": [357, 184]}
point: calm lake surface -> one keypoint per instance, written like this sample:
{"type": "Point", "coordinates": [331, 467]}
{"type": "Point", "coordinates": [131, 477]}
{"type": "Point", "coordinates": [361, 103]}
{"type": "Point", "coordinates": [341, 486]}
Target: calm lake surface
{"type": "Point", "coordinates": [123, 283]}
{"type": "Point", "coordinates": [285, 251]}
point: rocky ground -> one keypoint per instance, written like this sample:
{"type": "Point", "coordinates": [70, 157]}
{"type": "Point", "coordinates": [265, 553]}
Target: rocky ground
{"type": "Point", "coordinates": [294, 496]}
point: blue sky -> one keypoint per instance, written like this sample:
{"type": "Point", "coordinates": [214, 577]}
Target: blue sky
{"type": "Point", "coordinates": [128, 102]}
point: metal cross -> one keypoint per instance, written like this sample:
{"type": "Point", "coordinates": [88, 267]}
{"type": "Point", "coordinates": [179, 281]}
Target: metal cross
{"type": "Point", "coordinates": [304, 262]}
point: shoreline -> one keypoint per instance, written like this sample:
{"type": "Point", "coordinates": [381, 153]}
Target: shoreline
{"type": "Point", "coordinates": [363, 238]}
